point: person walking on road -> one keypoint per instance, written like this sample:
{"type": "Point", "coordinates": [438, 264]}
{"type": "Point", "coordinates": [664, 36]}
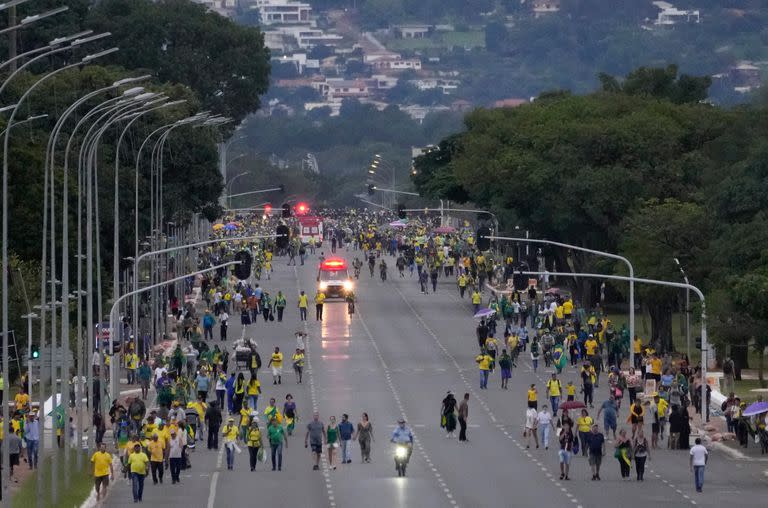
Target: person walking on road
{"type": "Point", "coordinates": [554, 389]}
{"type": "Point", "coordinates": [641, 452]}
{"type": "Point", "coordinates": [213, 422]}
{"type": "Point", "coordinates": [505, 364]}
{"type": "Point", "coordinates": [623, 452]}
{"type": "Point", "coordinates": [280, 305]}
{"type": "Point", "coordinates": [346, 431]}
{"type": "Point", "coordinates": [298, 364]}
{"type": "Point", "coordinates": [223, 325]}
{"type": "Point", "coordinates": [566, 448]}
{"type": "Point", "coordinates": [277, 439]}
{"type": "Point", "coordinates": [332, 441]}
{"type": "Point", "coordinates": [319, 301]}
{"type": "Point", "coordinates": [448, 415]}
{"type": "Point", "coordinates": [698, 461]}
{"type": "Point", "coordinates": [231, 433]}
{"type": "Point", "coordinates": [531, 425]}
{"type": "Point", "coordinates": [484, 361]}
{"type": "Point", "coordinates": [316, 438]}
{"type": "Point", "coordinates": [176, 455]}
{"type": "Point", "coordinates": [584, 426]}
{"type": "Point", "coordinates": [303, 304]}
{"type": "Point", "coordinates": [102, 470]}
{"type": "Point", "coordinates": [364, 437]}
{"type": "Point", "coordinates": [254, 442]}
{"type": "Point", "coordinates": [276, 362]}
{"type": "Point", "coordinates": [596, 445]}
{"type": "Point", "coordinates": [137, 463]}
{"type": "Point", "coordinates": [156, 449]}
{"type": "Point", "coordinates": [545, 424]}
{"type": "Point", "coordinates": [463, 417]}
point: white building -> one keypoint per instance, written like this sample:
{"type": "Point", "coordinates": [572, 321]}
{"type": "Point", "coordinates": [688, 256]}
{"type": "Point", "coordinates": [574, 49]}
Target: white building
{"type": "Point", "coordinates": [671, 15]}
{"type": "Point", "coordinates": [276, 12]}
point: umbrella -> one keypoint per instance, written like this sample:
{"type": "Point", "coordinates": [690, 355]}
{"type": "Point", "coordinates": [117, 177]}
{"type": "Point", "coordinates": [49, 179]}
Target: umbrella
{"type": "Point", "coordinates": [445, 229]}
{"type": "Point", "coordinates": [397, 224]}
{"type": "Point", "coordinates": [571, 404]}
{"type": "Point", "coordinates": [756, 409]}
{"type": "Point", "coordinates": [484, 313]}
{"type": "Point", "coordinates": [230, 227]}
{"type": "Point", "coordinates": [217, 227]}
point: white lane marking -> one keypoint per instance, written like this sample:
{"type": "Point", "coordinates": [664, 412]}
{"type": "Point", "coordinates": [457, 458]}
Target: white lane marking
{"type": "Point", "coordinates": [417, 444]}
{"type": "Point", "coordinates": [215, 478]}
{"type": "Point", "coordinates": [452, 359]}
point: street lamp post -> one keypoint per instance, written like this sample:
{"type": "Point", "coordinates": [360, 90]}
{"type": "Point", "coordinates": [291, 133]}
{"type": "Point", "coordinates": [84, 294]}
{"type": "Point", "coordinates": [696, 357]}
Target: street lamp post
{"type": "Point", "coordinates": [687, 309]}
{"type": "Point", "coordinates": [626, 261]}
{"type": "Point", "coordinates": [29, 317]}
{"type": "Point", "coordinates": [114, 385]}
{"type": "Point", "coordinates": [632, 280]}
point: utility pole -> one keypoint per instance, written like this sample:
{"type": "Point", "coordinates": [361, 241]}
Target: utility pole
{"type": "Point", "coordinates": [12, 38]}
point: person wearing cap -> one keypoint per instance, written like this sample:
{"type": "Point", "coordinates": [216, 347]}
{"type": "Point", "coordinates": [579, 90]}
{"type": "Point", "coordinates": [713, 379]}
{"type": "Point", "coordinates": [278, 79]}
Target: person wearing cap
{"type": "Point", "coordinates": [176, 454]}
{"type": "Point", "coordinates": [230, 433]}
{"type": "Point", "coordinates": [156, 448]}
{"type": "Point", "coordinates": [137, 464]}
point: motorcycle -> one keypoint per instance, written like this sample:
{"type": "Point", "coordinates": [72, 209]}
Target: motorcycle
{"type": "Point", "coordinates": [357, 272]}
{"type": "Point", "coordinates": [401, 459]}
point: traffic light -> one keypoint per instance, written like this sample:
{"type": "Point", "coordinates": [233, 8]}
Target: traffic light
{"type": "Point", "coordinates": [401, 211]}
{"type": "Point", "coordinates": [35, 352]}
{"type": "Point", "coordinates": [243, 270]}
{"type": "Point", "coordinates": [283, 236]}
{"type": "Point", "coordinates": [698, 342]}
{"type": "Point", "coordinates": [302, 209]}
{"type": "Point", "coordinates": [267, 210]}
{"type": "Point", "coordinates": [483, 242]}
{"type": "Point", "coordinates": [286, 210]}
{"type": "Point", "coordinates": [371, 188]}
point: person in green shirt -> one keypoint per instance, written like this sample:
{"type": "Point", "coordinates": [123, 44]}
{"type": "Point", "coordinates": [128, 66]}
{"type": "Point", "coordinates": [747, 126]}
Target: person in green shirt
{"type": "Point", "coordinates": [277, 439]}
{"type": "Point", "coordinates": [280, 305]}
{"type": "Point", "coordinates": [332, 439]}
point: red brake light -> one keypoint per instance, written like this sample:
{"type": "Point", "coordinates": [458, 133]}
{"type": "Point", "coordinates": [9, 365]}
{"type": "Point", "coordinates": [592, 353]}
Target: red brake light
{"type": "Point", "coordinates": [267, 209]}
{"type": "Point", "coordinates": [302, 208]}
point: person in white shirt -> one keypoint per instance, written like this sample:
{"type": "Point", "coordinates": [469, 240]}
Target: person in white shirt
{"type": "Point", "coordinates": [544, 420]}
{"type": "Point", "coordinates": [698, 461]}
{"type": "Point", "coordinates": [175, 454]}
{"type": "Point", "coordinates": [531, 425]}
{"type": "Point", "coordinates": [224, 324]}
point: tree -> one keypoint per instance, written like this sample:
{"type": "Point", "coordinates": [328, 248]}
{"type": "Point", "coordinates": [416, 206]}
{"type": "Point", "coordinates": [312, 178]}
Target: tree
{"type": "Point", "coordinates": [653, 236]}
{"type": "Point", "coordinates": [226, 64]}
{"type": "Point", "coordinates": [659, 83]}
{"type": "Point", "coordinates": [750, 293]}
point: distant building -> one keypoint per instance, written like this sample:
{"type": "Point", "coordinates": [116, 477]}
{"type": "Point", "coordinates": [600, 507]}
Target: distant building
{"type": "Point", "coordinates": [395, 64]}
{"type": "Point", "coordinates": [419, 113]}
{"type": "Point", "coordinates": [412, 31]}
{"type": "Point", "coordinates": [447, 86]}
{"type": "Point", "coordinates": [337, 88]}
{"type": "Point", "coordinates": [281, 11]}
{"type": "Point", "coordinates": [223, 7]}
{"type": "Point", "coordinates": [670, 15]}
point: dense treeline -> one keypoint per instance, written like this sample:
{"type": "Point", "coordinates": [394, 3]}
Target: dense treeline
{"type": "Point", "coordinates": [637, 169]}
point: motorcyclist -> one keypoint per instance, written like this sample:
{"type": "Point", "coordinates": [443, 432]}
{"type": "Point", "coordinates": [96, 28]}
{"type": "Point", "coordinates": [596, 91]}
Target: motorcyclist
{"type": "Point", "coordinates": [402, 435]}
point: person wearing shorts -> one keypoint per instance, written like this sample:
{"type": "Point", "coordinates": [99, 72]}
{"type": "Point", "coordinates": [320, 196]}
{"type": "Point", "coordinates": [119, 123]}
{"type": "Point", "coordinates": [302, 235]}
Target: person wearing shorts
{"type": "Point", "coordinates": [102, 470]}
{"type": "Point", "coordinates": [315, 437]}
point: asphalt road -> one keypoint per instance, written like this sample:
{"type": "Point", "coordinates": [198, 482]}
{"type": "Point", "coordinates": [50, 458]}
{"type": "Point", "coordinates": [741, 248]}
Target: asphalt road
{"type": "Point", "coordinates": [398, 355]}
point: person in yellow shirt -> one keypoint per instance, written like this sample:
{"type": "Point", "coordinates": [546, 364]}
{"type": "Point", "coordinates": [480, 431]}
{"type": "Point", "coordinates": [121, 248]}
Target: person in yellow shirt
{"type": "Point", "coordinates": [253, 390]}
{"type": "Point", "coordinates": [484, 361]}
{"type": "Point", "coordinates": [298, 364]}
{"type": "Point", "coordinates": [637, 347]}
{"type": "Point", "coordinates": [590, 346]}
{"type": "Point", "coordinates": [303, 303]}
{"type": "Point", "coordinates": [462, 282]}
{"type": "Point", "coordinates": [22, 401]}
{"type": "Point", "coordinates": [476, 299]}
{"type": "Point", "coordinates": [156, 448]}
{"type": "Point", "coordinates": [137, 464]}
{"type": "Point", "coordinates": [231, 434]}
{"type": "Point", "coordinates": [654, 369]}
{"type": "Point", "coordinates": [276, 362]}
{"type": "Point", "coordinates": [533, 397]}
{"type": "Point", "coordinates": [568, 309]}
{"type": "Point", "coordinates": [584, 425]}
{"type": "Point", "coordinates": [319, 301]}
{"type": "Point", "coordinates": [559, 314]}
{"type": "Point", "coordinates": [554, 390]}
{"type": "Point", "coordinates": [254, 443]}
{"type": "Point", "coordinates": [102, 470]}
{"type": "Point", "coordinates": [245, 420]}
{"type": "Point", "coordinates": [570, 391]}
